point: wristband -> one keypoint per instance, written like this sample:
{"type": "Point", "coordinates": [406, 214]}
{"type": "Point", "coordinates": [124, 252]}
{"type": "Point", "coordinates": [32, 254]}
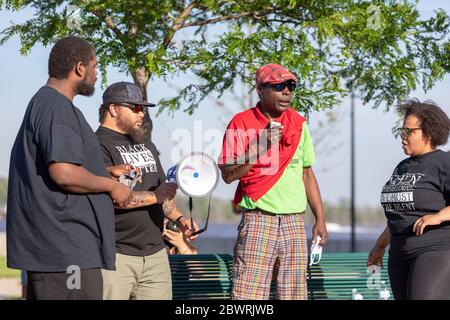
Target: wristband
{"type": "Point", "coordinates": [179, 219]}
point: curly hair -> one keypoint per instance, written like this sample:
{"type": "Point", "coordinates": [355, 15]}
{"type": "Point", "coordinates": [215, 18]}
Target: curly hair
{"type": "Point", "coordinates": [434, 121]}
{"type": "Point", "coordinates": [66, 53]}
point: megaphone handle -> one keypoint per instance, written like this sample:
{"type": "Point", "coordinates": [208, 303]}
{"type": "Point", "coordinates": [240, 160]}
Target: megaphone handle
{"type": "Point", "coordinates": [209, 210]}
{"type": "Point", "coordinates": [207, 217]}
{"type": "Point", "coordinates": [190, 214]}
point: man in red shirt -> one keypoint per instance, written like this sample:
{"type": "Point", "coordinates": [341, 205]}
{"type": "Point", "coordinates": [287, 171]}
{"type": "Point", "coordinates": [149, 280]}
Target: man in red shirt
{"type": "Point", "coordinates": [270, 150]}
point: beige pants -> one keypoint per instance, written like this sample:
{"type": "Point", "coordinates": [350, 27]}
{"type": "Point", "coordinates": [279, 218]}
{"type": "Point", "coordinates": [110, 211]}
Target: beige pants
{"type": "Point", "coordinates": [139, 278]}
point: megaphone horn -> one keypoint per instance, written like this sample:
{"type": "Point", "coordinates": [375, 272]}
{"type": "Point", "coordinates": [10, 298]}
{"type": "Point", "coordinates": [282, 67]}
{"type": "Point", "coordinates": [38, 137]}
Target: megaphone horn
{"type": "Point", "coordinates": [196, 175]}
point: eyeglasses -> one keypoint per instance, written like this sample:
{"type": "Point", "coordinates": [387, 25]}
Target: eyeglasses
{"type": "Point", "coordinates": [136, 108]}
{"type": "Point", "coordinates": [291, 85]}
{"type": "Point", "coordinates": [406, 132]}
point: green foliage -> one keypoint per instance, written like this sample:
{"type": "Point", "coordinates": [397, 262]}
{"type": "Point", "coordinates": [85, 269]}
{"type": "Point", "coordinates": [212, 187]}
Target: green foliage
{"type": "Point", "coordinates": [381, 49]}
{"type": "Point", "coordinates": [5, 272]}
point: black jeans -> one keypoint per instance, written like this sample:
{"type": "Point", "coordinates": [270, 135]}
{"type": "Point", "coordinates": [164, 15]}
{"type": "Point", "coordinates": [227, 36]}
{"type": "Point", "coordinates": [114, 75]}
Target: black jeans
{"type": "Point", "coordinates": [425, 277]}
{"type": "Point", "coordinates": [58, 285]}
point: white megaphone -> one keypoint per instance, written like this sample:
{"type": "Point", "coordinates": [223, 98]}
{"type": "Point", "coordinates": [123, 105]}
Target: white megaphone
{"type": "Point", "coordinates": [196, 175]}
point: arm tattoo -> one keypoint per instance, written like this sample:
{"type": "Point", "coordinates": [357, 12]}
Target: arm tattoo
{"type": "Point", "coordinates": [170, 209]}
{"type": "Point", "coordinates": [138, 198]}
{"type": "Point", "coordinates": [141, 199]}
{"type": "Point", "coordinates": [235, 171]}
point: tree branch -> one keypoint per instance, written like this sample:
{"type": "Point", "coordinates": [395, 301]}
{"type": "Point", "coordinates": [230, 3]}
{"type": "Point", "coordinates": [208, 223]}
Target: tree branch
{"type": "Point", "coordinates": [107, 19]}
{"type": "Point", "coordinates": [256, 15]}
{"type": "Point", "coordinates": [132, 30]}
{"type": "Point", "coordinates": [178, 23]}
{"type": "Point", "coordinates": [110, 23]}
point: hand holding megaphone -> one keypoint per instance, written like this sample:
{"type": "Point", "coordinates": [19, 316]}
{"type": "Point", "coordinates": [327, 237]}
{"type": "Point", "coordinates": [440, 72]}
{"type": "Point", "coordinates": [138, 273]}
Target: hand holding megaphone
{"type": "Point", "coordinates": [165, 191]}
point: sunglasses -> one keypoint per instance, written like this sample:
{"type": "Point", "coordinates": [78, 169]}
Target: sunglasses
{"type": "Point", "coordinates": [291, 85]}
{"type": "Point", "coordinates": [406, 132]}
{"type": "Point", "coordinates": [136, 108]}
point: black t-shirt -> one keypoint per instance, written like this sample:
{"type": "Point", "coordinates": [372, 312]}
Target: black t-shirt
{"type": "Point", "coordinates": [418, 186]}
{"type": "Point", "coordinates": [138, 231]}
{"type": "Point", "coordinates": [48, 228]}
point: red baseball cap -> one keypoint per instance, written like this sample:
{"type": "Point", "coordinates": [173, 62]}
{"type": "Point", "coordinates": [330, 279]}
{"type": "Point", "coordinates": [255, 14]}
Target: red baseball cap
{"type": "Point", "coordinates": [273, 73]}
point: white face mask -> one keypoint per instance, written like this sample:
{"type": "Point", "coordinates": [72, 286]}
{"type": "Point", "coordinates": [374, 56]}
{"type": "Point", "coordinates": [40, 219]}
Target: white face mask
{"type": "Point", "coordinates": [316, 251]}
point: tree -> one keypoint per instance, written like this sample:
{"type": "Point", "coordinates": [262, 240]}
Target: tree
{"type": "Point", "coordinates": [381, 50]}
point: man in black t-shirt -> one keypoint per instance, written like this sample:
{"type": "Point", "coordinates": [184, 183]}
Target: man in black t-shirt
{"type": "Point", "coordinates": [142, 266]}
{"type": "Point", "coordinates": [60, 221]}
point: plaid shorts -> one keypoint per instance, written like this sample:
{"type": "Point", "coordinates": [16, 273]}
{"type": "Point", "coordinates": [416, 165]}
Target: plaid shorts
{"type": "Point", "coordinates": [270, 247]}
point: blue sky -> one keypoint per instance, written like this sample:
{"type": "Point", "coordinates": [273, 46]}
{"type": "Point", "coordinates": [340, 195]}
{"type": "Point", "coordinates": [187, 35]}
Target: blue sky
{"type": "Point", "coordinates": [377, 152]}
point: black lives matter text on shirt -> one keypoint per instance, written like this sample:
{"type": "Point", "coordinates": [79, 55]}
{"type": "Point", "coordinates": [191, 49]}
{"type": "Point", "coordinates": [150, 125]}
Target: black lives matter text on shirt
{"type": "Point", "coordinates": [139, 155]}
{"type": "Point", "coordinates": [138, 231]}
{"type": "Point", "coordinates": [418, 186]}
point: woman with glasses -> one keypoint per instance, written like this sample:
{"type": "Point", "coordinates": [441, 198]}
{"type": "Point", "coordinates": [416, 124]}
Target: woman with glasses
{"type": "Point", "coordinates": [416, 201]}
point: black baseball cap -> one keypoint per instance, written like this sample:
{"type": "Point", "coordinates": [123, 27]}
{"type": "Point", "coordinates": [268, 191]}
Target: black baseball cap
{"type": "Point", "coordinates": [125, 92]}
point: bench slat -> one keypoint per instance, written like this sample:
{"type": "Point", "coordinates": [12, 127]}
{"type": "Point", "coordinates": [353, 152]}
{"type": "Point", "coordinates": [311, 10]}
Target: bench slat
{"type": "Point", "coordinates": [208, 276]}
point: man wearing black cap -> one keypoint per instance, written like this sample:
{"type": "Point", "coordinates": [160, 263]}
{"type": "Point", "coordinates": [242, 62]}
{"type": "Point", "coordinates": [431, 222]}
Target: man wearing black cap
{"type": "Point", "coordinates": [142, 266]}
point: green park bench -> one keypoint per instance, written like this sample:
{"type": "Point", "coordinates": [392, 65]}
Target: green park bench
{"type": "Point", "coordinates": [208, 276]}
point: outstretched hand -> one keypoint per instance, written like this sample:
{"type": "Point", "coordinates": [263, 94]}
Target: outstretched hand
{"type": "Point", "coordinates": [375, 256]}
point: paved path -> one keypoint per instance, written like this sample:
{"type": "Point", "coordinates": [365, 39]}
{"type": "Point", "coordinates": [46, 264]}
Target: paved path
{"type": "Point", "coordinates": [10, 288]}
{"type": "Point", "coordinates": [2, 243]}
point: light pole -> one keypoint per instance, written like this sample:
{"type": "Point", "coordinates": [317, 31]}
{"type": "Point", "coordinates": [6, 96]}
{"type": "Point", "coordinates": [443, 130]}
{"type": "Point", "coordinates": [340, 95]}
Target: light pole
{"type": "Point", "coordinates": [352, 171]}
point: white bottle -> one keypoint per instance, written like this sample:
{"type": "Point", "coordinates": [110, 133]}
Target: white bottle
{"type": "Point", "coordinates": [356, 295]}
{"type": "Point", "coordinates": [384, 293]}
{"type": "Point", "coordinates": [274, 124]}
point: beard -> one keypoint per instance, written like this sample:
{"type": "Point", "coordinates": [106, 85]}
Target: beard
{"type": "Point", "coordinates": [137, 134]}
{"type": "Point", "coordinates": [86, 89]}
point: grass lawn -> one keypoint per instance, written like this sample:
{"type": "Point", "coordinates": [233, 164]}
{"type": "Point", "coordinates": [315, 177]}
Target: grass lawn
{"type": "Point", "coordinates": [6, 272]}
